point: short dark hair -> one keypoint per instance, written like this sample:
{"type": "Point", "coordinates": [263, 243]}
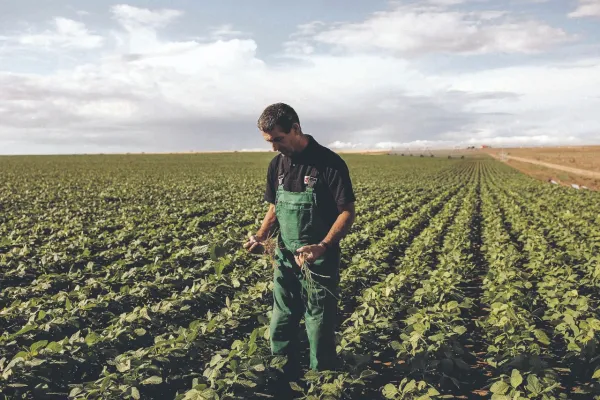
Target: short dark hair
{"type": "Point", "coordinates": [278, 114]}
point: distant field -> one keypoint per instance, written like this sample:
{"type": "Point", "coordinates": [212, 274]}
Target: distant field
{"type": "Point", "coordinates": [582, 157]}
{"type": "Point", "coordinates": [439, 153]}
{"type": "Point", "coordinates": [461, 278]}
{"type": "Point", "coordinates": [586, 158]}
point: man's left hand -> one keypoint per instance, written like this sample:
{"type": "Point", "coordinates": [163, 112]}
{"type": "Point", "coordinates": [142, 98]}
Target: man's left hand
{"type": "Point", "coordinates": [309, 254]}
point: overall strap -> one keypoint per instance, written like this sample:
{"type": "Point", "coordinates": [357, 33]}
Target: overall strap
{"type": "Point", "coordinates": [281, 172]}
{"type": "Point", "coordinates": [313, 177]}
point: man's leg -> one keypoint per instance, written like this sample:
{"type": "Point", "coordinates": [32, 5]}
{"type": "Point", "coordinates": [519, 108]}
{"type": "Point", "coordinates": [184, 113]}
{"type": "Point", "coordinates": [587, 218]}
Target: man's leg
{"type": "Point", "coordinates": [320, 318]}
{"type": "Point", "coordinates": [285, 320]}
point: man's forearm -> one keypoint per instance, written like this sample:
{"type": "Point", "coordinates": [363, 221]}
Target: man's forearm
{"type": "Point", "coordinates": [340, 228]}
{"type": "Point", "coordinates": [267, 225]}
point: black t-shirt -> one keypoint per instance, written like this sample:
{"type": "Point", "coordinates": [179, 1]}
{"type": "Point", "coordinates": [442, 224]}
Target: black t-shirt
{"type": "Point", "coordinates": [332, 188]}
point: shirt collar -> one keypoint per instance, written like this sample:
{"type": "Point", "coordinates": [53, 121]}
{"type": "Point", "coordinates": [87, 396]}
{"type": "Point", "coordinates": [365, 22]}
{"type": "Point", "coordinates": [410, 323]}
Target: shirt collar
{"type": "Point", "coordinates": [307, 151]}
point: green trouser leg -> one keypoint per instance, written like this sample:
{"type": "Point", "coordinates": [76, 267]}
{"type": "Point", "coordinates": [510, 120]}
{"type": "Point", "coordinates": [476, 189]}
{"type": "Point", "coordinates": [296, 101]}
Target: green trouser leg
{"type": "Point", "coordinates": [285, 319]}
{"type": "Point", "coordinates": [294, 297]}
{"type": "Point", "coordinates": [320, 318]}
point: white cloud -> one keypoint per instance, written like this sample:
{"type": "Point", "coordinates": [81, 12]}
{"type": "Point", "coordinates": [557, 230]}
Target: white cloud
{"type": "Point", "coordinates": [446, 2]}
{"type": "Point", "coordinates": [586, 8]}
{"type": "Point", "coordinates": [344, 145]}
{"type": "Point", "coordinates": [414, 30]}
{"type": "Point", "coordinates": [225, 31]}
{"type": "Point", "coordinates": [146, 92]}
{"type": "Point", "coordinates": [67, 34]}
{"type": "Point", "coordinates": [134, 17]}
{"type": "Point", "coordinates": [415, 145]}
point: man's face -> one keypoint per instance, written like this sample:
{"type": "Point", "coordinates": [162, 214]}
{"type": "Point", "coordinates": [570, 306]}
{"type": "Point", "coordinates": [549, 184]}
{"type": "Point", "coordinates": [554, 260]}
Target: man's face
{"type": "Point", "coordinates": [282, 142]}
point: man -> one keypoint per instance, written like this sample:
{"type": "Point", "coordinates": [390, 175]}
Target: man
{"type": "Point", "coordinates": [312, 202]}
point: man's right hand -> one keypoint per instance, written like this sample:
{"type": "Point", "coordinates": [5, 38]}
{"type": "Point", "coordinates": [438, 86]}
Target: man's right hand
{"type": "Point", "coordinates": [254, 245]}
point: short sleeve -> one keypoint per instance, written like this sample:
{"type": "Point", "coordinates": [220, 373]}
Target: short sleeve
{"type": "Point", "coordinates": [270, 186]}
{"type": "Point", "coordinates": [341, 185]}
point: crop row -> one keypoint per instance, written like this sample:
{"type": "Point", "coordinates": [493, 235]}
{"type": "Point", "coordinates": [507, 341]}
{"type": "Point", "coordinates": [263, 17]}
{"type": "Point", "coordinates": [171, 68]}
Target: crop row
{"type": "Point", "coordinates": [233, 369]}
{"type": "Point", "coordinates": [245, 309]}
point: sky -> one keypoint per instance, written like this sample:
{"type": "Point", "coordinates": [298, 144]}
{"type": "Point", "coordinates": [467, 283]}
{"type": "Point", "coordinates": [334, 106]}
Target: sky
{"type": "Point", "coordinates": [182, 75]}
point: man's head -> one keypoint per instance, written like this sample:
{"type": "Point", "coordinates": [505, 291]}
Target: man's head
{"type": "Point", "coordinates": [280, 125]}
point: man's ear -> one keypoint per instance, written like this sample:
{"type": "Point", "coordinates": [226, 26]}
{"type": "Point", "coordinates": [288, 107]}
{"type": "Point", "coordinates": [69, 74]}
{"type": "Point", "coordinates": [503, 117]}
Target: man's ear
{"type": "Point", "coordinates": [296, 128]}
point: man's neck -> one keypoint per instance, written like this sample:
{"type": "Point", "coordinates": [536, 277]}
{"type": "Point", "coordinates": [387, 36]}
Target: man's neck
{"type": "Point", "coordinates": [304, 141]}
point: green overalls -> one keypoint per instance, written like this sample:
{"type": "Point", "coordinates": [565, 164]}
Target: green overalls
{"type": "Point", "coordinates": [300, 225]}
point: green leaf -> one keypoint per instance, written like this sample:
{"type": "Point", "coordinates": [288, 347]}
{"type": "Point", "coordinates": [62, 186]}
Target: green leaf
{"type": "Point", "coordinates": [21, 354]}
{"type": "Point", "coordinates": [25, 329]}
{"type": "Point", "coordinates": [438, 337]}
{"type": "Point", "coordinates": [140, 331]}
{"type": "Point", "coordinates": [541, 336]}
{"type": "Point", "coordinates": [460, 330]}
{"type": "Point", "coordinates": [153, 380]}
{"type": "Point", "coordinates": [259, 367]}
{"type": "Point", "coordinates": [296, 387]}
{"type": "Point", "coordinates": [74, 392]}
{"type": "Point", "coordinates": [596, 374]}
{"type": "Point", "coordinates": [533, 384]}
{"type": "Point", "coordinates": [38, 345]}
{"type": "Point", "coordinates": [123, 366]}
{"type": "Point", "coordinates": [452, 305]}
{"type": "Point", "coordinates": [367, 373]}
{"type": "Point", "coordinates": [92, 338]}
{"type": "Point", "coordinates": [390, 391]}
{"type": "Point", "coordinates": [329, 388]}
{"type": "Point", "coordinates": [54, 346]}
{"type": "Point", "coordinates": [515, 378]}
{"type": "Point", "coordinates": [572, 346]}
{"type": "Point", "coordinates": [410, 387]}
{"type": "Point", "coordinates": [217, 252]}
{"type": "Point", "coordinates": [594, 323]}
{"type": "Point", "coordinates": [135, 393]}
{"type": "Point", "coordinates": [499, 387]}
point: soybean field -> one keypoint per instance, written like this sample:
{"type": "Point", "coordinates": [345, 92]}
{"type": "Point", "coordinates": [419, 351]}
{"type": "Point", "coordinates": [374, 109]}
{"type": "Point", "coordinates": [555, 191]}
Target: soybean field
{"type": "Point", "coordinates": [124, 277]}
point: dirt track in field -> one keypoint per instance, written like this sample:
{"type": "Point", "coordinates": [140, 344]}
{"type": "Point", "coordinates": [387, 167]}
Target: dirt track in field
{"type": "Point", "coordinates": [577, 171]}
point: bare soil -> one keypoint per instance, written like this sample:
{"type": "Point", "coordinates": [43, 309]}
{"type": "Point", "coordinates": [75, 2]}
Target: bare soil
{"type": "Point", "coordinates": [581, 157]}
{"type": "Point", "coordinates": [565, 165]}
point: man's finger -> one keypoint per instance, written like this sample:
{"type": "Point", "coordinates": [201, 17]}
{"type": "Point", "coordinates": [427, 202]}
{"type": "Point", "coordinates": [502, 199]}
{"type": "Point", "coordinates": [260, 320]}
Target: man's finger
{"type": "Point", "coordinates": [300, 259]}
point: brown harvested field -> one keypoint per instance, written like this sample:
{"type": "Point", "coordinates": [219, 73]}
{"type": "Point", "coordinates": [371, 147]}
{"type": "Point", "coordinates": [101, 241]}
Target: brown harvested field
{"type": "Point", "coordinates": [586, 158]}
{"type": "Point", "coordinates": [582, 157]}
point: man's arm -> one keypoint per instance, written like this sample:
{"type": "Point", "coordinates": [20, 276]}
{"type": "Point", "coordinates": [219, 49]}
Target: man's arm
{"type": "Point", "coordinates": [342, 224]}
{"type": "Point", "coordinates": [269, 221]}
{"type": "Point", "coordinates": [267, 224]}
{"type": "Point", "coordinates": [338, 230]}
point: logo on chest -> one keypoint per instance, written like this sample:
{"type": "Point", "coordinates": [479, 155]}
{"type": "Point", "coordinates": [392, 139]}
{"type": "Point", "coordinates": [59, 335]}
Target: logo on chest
{"type": "Point", "coordinates": [310, 181]}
